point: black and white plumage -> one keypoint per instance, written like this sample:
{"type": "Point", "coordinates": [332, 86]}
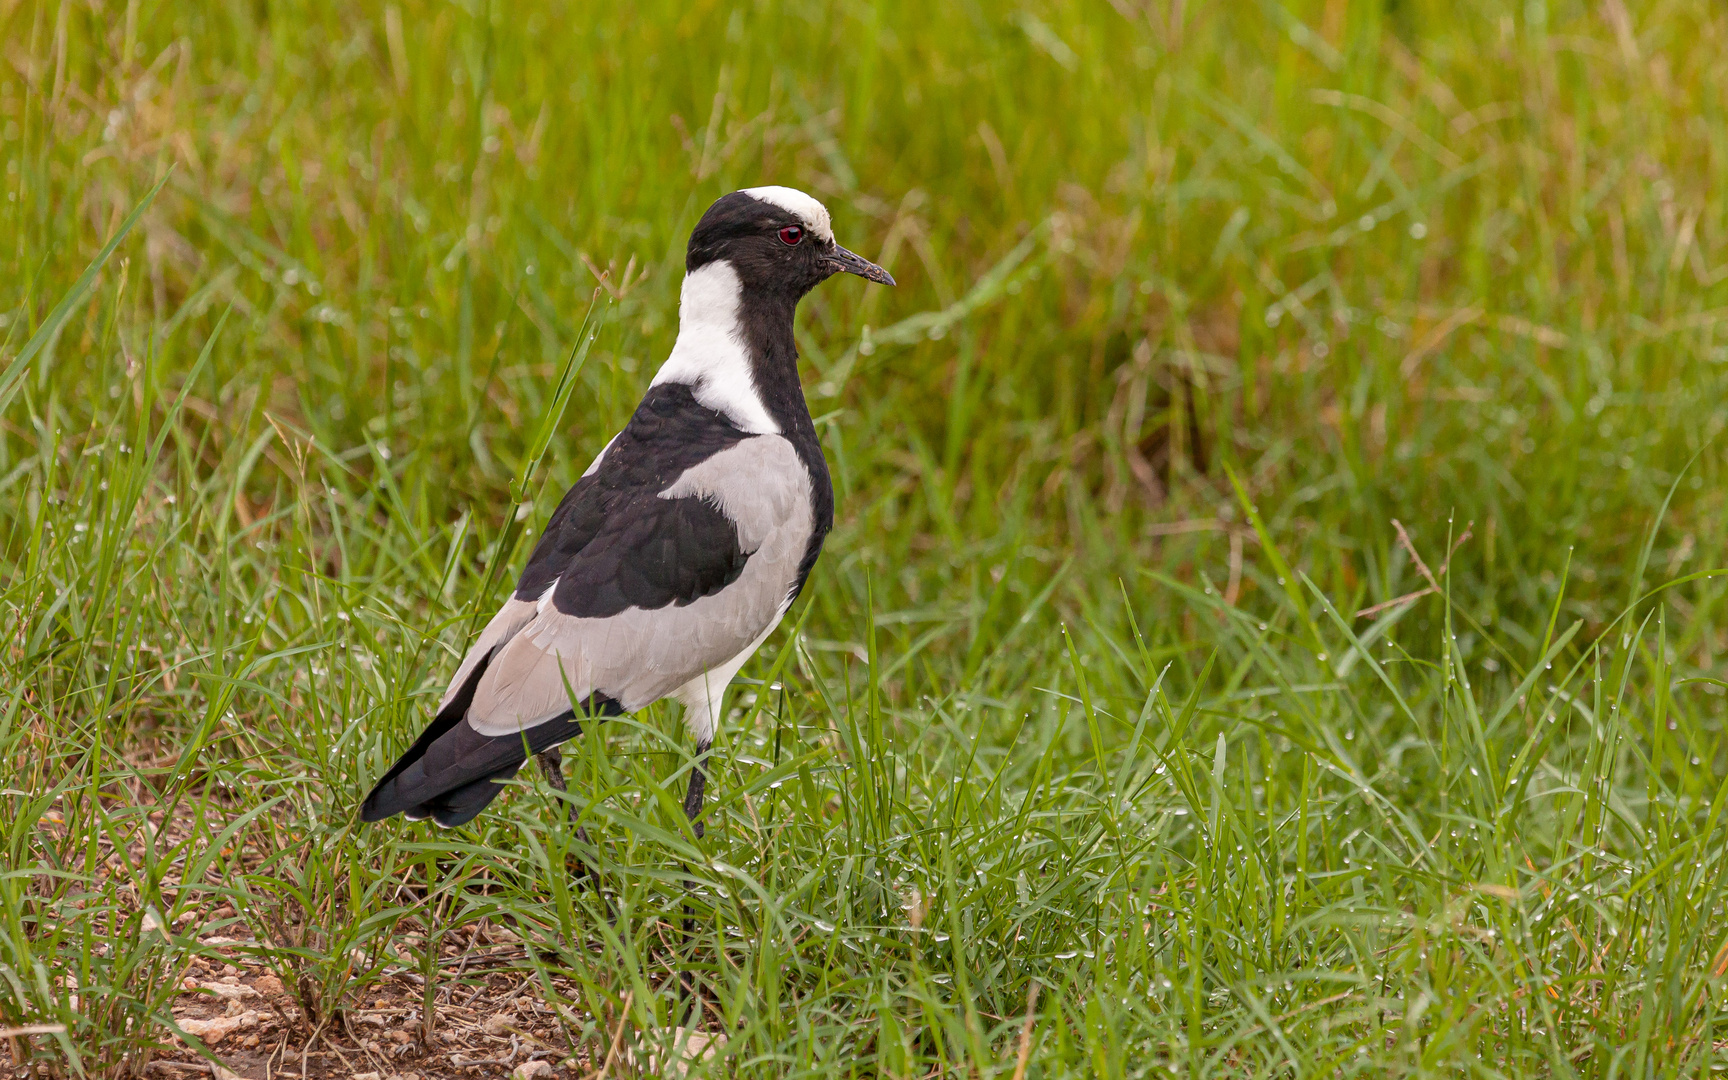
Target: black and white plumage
{"type": "Point", "coordinates": [676, 554]}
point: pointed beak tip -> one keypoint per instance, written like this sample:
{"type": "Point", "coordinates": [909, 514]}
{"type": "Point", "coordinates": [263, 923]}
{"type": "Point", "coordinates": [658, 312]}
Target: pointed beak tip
{"type": "Point", "coordinates": [848, 262]}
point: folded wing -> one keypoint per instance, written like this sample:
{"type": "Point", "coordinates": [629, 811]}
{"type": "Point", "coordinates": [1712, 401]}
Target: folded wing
{"type": "Point", "coordinates": [641, 587]}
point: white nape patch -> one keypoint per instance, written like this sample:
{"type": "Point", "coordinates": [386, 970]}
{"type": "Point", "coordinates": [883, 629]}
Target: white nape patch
{"type": "Point", "coordinates": [709, 353]}
{"type": "Point", "coordinates": [595, 466]}
{"type": "Point", "coordinates": [808, 210]}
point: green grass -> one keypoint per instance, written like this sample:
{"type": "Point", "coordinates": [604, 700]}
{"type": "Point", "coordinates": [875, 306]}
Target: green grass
{"type": "Point", "coordinates": [1195, 300]}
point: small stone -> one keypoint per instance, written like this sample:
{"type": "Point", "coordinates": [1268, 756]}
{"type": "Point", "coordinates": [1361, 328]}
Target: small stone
{"type": "Point", "coordinates": [688, 1047]}
{"type": "Point", "coordinates": [531, 1070]}
{"type": "Point", "coordinates": [268, 984]}
{"type": "Point", "coordinates": [700, 1045]}
{"type": "Point", "coordinates": [368, 1076]}
{"type": "Point", "coordinates": [227, 990]}
{"type": "Point", "coordinates": [400, 1036]}
{"type": "Point", "coordinates": [214, 1031]}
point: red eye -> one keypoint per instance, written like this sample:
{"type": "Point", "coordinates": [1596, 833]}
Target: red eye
{"type": "Point", "coordinates": [790, 235]}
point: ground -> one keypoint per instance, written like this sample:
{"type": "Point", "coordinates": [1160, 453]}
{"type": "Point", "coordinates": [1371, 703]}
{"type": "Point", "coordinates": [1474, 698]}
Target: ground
{"type": "Point", "coordinates": [241, 1011]}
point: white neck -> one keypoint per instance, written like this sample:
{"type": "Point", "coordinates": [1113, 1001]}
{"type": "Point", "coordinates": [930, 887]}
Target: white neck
{"type": "Point", "coordinates": [709, 354]}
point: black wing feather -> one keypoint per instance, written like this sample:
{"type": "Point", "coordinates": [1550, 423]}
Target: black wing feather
{"type": "Point", "coordinates": [456, 774]}
{"type": "Point", "coordinates": [654, 553]}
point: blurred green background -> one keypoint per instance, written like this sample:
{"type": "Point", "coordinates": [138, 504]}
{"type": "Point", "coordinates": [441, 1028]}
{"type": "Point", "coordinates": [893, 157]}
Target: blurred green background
{"type": "Point", "coordinates": [1195, 300]}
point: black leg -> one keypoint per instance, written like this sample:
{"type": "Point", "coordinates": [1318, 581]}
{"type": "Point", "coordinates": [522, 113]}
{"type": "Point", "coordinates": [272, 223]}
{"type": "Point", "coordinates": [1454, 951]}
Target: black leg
{"type": "Point", "coordinates": [693, 812]}
{"type": "Point", "coordinates": [552, 763]}
{"type": "Point", "coordinates": [693, 794]}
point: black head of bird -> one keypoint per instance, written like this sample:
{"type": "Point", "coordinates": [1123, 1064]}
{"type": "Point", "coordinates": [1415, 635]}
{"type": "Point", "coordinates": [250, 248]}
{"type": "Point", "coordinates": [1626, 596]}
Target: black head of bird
{"type": "Point", "coordinates": [777, 240]}
{"type": "Point", "coordinates": [679, 550]}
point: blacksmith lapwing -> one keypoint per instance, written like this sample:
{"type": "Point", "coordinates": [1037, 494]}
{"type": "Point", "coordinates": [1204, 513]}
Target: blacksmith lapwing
{"type": "Point", "coordinates": [678, 551]}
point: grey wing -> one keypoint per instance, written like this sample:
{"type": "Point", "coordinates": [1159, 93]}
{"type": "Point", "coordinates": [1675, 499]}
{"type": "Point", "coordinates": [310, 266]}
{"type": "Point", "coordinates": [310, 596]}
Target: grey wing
{"type": "Point", "coordinates": [511, 618]}
{"type": "Point", "coordinates": [639, 655]}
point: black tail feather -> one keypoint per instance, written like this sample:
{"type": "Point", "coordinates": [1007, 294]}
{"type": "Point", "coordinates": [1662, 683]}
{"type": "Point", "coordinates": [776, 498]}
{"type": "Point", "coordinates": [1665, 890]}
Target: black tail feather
{"type": "Point", "coordinates": [448, 717]}
{"type": "Point", "coordinates": [452, 771]}
{"type": "Point", "coordinates": [464, 804]}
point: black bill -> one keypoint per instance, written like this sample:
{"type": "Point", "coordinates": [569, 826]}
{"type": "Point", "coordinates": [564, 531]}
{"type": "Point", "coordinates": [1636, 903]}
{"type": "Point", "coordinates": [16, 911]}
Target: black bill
{"type": "Point", "coordinates": [843, 261]}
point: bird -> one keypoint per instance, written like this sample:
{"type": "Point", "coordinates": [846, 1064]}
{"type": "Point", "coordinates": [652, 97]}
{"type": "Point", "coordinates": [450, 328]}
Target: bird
{"type": "Point", "coordinates": [678, 551]}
